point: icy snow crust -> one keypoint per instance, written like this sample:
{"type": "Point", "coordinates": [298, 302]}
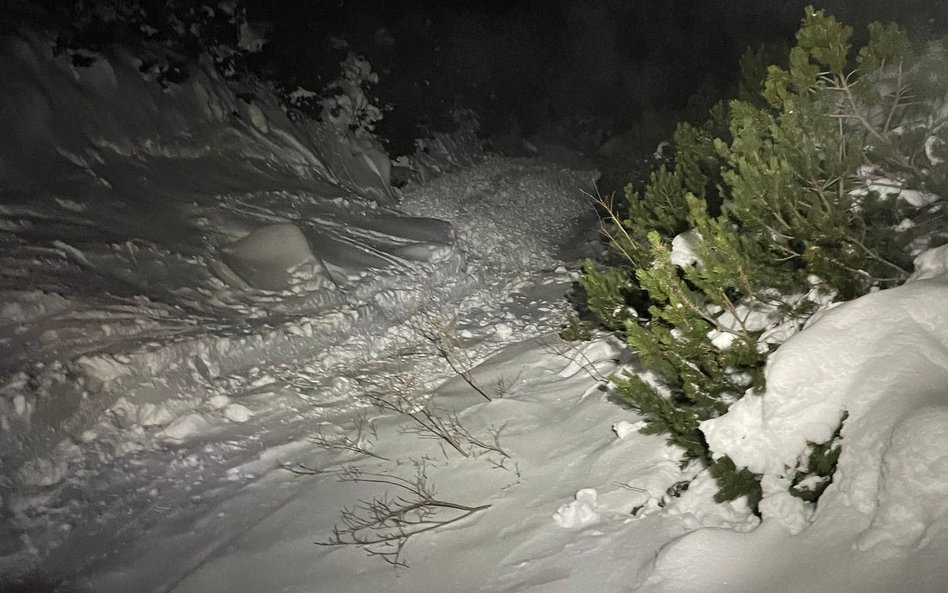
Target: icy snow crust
{"type": "Point", "coordinates": [196, 292]}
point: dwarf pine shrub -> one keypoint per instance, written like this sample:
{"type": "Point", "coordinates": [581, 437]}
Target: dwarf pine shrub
{"type": "Point", "coordinates": [823, 188]}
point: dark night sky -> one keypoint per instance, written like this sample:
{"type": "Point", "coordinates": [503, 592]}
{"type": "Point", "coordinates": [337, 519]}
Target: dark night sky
{"type": "Point", "coordinates": [530, 63]}
{"type": "Point", "coordinates": [538, 61]}
{"type": "Point", "coordinates": [532, 59]}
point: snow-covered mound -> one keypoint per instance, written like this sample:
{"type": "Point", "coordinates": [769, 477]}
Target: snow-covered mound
{"type": "Point", "coordinates": [882, 525]}
{"type": "Point", "coordinates": [108, 126]}
{"type": "Point", "coordinates": [880, 359]}
{"type": "Point", "coordinates": [134, 219]}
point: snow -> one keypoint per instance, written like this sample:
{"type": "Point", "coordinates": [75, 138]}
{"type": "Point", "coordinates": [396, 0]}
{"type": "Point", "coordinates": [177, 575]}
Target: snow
{"type": "Point", "coordinates": [268, 257]}
{"type": "Point", "coordinates": [696, 509]}
{"type": "Point", "coordinates": [913, 497]}
{"type": "Point", "coordinates": [683, 249]}
{"type": "Point", "coordinates": [200, 296]}
{"type": "Point", "coordinates": [890, 187]}
{"type": "Point", "coordinates": [624, 428]}
{"type": "Point", "coordinates": [579, 513]}
{"type": "Point", "coordinates": [808, 390]}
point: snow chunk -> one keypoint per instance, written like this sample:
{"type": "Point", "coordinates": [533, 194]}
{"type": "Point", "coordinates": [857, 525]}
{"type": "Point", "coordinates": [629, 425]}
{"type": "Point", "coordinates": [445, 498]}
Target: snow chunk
{"type": "Point", "coordinates": [186, 427]}
{"type": "Point", "coordinates": [127, 415]}
{"type": "Point", "coordinates": [237, 413]}
{"type": "Point", "coordinates": [683, 249]}
{"type": "Point", "coordinates": [101, 369]}
{"type": "Point", "coordinates": [265, 258]}
{"type": "Point", "coordinates": [503, 331]}
{"type": "Point", "coordinates": [918, 198]}
{"type": "Point", "coordinates": [722, 340]}
{"type": "Point", "coordinates": [580, 512]}
{"type": "Point", "coordinates": [124, 413]}
{"type": "Point", "coordinates": [792, 512]}
{"type": "Point", "coordinates": [624, 428]}
{"type": "Point", "coordinates": [150, 414]}
{"type": "Point", "coordinates": [931, 263]}
{"type": "Point", "coordinates": [890, 187]}
{"type": "Point", "coordinates": [219, 401]}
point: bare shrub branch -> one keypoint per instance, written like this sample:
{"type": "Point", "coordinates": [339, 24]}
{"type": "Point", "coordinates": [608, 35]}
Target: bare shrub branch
{"type": "Point", "coordinates": [359, 440]}
{"type": "Point", "coordinates": [430, 422]}
{"type": "Point", "coordinates": [441, 335]}
{"type": "Point", "coordinates": [383, 525]}
{"type": "Point", "coordinates": [571, 353]}
{"type": "Point", "coordinates": [300, 469]}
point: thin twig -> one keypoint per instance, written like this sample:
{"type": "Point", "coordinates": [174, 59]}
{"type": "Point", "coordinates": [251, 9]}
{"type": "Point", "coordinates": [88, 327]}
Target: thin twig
{"type": "Point", "coordinates": [383, 525]}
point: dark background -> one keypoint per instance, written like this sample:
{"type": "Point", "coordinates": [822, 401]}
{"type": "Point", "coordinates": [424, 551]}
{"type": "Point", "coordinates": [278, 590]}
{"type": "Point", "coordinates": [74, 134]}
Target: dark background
{"type": "Point", "coordinates": [526, 62]}
{"type": "Point", "coordinates": [531, 63]}
{"type": "Point", "coordinates": [525, 66]}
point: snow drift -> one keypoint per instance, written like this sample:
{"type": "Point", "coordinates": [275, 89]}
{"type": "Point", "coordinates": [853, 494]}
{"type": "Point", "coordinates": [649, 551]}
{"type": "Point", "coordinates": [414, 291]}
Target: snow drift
{"type": "Point", "coordinates": [881, 525]}
{"type": "Point", "coordinates": [881, 359]}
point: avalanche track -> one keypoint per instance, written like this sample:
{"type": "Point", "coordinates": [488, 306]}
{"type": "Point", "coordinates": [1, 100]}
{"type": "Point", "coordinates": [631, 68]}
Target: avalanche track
{"type": "Point", "coordinates": [151, 383]}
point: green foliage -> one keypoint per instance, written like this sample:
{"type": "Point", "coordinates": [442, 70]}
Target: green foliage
{"type": "Point", "coordinates": [578, 330]}
{"type": "Point", "coordinates": [605, 294]}
{"type": "Point", "coordinates": [887, 45]}
{"type": "Point", "coordinates": [665, 187]}
{"type": "Point", "coordinates": [667, 414]}
{"type": "Point", "coordinates": [734, 483]}
{"type": "Point", "coordinates": [782, 208]}
{"type": "Point", "coordinates": [816, 475]}
{"type": "Point", "coordinates": [824, 39]}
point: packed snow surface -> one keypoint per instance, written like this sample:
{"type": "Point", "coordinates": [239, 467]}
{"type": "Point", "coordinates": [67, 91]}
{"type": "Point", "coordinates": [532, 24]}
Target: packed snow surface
{"type": "Point", "coordinates": [223, 335]}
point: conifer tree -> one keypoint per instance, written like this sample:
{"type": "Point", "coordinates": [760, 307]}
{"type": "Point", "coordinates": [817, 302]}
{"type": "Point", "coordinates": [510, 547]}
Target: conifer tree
{"type": "Point", "coordinates": [822, 188]}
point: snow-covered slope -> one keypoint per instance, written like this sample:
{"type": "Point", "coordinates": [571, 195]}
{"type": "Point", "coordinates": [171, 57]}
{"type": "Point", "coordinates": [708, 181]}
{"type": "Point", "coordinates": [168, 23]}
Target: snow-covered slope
{"type": "Point", "coordinates": [182, 267]}
{"type": "Point", "coordinates": [581, 502]}
{"type": "Point", "coordinates": [146, 226]}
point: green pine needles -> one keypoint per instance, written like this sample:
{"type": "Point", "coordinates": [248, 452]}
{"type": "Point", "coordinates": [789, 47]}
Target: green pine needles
{"type": "Point", "coordinates": [822, 188]}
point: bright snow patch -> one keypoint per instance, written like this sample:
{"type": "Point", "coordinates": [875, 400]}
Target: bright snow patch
{"type": "Point", "coordinates": [683, 249]}
{"type": "Point", "coordinates": [579, 513]}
